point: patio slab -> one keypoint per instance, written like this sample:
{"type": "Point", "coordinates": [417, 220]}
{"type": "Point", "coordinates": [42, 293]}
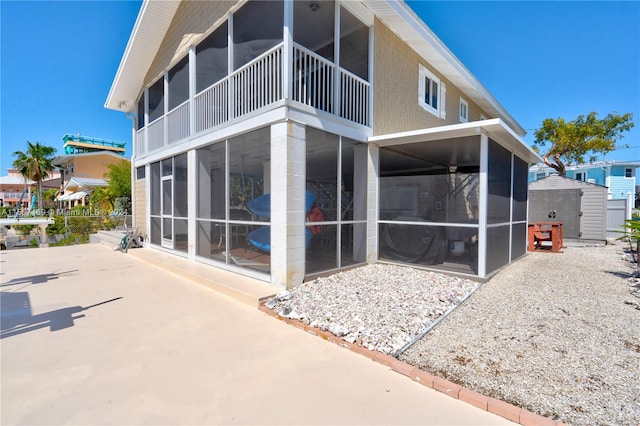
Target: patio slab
{"type": "Point", "coordinates": [92, 336]}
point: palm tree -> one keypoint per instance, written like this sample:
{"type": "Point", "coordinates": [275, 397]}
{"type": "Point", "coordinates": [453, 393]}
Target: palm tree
{"type": "Point", "coordinates": [35, 164]}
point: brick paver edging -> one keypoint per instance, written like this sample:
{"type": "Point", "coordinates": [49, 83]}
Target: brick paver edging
{"type": "Point", "coordinates": [495, 406]}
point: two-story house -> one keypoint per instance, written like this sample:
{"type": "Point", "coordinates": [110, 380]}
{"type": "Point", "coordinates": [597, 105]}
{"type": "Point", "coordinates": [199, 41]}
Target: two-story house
{"type": "Point", "coordinates": [282, 139]}
{"type": "Point", "coordinates": [618, 176]}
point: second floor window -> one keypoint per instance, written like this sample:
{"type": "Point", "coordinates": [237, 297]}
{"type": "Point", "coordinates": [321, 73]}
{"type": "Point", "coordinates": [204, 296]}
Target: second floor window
{"type": "Point", "coordinates": [628, 172]}
{"type": "Point", "coordinates": [431, 92]}
{"type": "Point", "coordinates": [464, 111]}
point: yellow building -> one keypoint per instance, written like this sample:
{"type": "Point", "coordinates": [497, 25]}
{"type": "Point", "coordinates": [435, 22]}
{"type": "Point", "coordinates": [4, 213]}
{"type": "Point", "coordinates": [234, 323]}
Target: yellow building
{"type": "Point", "coordinates": [81, 173]}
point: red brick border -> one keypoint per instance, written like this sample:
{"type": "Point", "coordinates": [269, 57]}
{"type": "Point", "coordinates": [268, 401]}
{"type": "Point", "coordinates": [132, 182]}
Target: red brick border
{"type": "Point", "coordinates": [495, 406]}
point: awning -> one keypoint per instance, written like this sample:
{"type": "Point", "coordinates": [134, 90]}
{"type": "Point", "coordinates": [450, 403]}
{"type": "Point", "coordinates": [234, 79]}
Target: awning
{"type": "Point", "coordinates": [73, 196]}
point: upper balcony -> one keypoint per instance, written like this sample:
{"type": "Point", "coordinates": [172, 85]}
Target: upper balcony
{"type": "Point", "coordinates": [250, 64]}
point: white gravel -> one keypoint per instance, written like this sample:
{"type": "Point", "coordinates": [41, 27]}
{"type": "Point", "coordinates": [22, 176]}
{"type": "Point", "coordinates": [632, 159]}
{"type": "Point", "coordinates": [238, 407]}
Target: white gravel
{"type": "Point", "coordinates": [557, 334]}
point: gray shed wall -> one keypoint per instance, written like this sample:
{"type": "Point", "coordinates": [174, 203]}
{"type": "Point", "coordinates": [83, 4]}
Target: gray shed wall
{"type": "Point", "coordinates": [593, 204]}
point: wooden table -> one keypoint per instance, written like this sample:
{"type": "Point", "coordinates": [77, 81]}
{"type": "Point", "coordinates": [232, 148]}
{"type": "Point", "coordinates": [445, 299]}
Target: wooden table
{"type": "Point", "coordinates": [540, 232]}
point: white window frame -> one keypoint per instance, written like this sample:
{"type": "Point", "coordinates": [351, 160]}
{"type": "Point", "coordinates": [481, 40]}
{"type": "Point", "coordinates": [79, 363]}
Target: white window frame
{"type": "Point", "coordinates": [464, 111]}
{"type": "Point", "coordinates": [438, 110]}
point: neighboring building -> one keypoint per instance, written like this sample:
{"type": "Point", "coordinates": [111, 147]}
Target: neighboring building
{"type": "Point", "coordinates": [78, 144]}
{"type": "Point", "coordinates": [82, 172]}
{"type": "Point", "coordinates": [256, 118]}
{"type": "Point", "coordinates": [618, 176]}
{"type": "Point", "coordinates": [16, 190]}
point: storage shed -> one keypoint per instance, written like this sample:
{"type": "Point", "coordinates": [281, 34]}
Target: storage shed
{"type": "Point", "coordinates": [580, 206]}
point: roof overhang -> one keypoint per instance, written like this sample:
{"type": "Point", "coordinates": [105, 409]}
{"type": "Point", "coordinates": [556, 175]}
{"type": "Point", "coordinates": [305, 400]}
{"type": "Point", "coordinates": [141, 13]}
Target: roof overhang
{"type": "Point", "coordinates": [496, 129]}
{"type": "Point", "coordinates": [61, 160]}
{"type": "Point", "coordinates": [403, 21]}
{"type": "Point", "coordinates": [155, 17]}
{"type": "Point", "coordinates": [148, 32]}
{"type": "Point", "coordinates": [75, 184]}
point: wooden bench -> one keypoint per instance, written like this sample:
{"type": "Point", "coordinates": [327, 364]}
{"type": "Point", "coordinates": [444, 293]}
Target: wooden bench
{"type": "Point", "coordinates": [542, 232]}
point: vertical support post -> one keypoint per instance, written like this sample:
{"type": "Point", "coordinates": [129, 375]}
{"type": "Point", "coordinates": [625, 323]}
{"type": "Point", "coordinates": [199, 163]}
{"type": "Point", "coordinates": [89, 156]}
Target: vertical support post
{"type": "Point", "coordinates": [629, 206]}
{"type": "Point", "coordinates": [511, 208]}
{"type": "Point", "coordinates": [336, 55]}
{"type": "Point", "coordinates": [192, 197]}
{"type": "Point", "coordinates": [288, 184]}
{"type": "Point", "coordinates": [231, 91]}
{"type": "Point", "coordinates": [287, 54]}
{"type": "Point", "coordinates": [484, 205]}
{"type": "Point", "coordinates": [192, 90]}
{"type": "Point", "coordinates": [44, 242]}
{"type": "Point", "coordinates": [373, 195]}
{"type": "Point", "coordinates": [360, 190]}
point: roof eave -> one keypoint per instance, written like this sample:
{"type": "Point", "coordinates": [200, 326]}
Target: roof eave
{"type": "Point", "coordinates": [424, 41]}
{"type": "Point", "coordinates": [148, 32]}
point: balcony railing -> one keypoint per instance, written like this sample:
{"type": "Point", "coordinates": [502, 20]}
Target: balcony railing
{"type": "Point", "coordinates": [14, 196]}
{"type": "Point", "coordinates": [257, 85]}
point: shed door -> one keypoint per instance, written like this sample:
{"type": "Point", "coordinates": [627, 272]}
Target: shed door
{"type": "Point", "coordinates": [563, 203]}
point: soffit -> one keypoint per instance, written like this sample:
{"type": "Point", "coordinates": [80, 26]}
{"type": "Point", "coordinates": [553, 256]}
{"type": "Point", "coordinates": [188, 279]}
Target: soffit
{"type": "Point", "coordinates": [155, 17]}
{"type": "Point", "coordinates": [495, 128]}
{"type": "Point", "coordinates": [403, 21]}
{"type": "Point", "coordinates": [148, 32]}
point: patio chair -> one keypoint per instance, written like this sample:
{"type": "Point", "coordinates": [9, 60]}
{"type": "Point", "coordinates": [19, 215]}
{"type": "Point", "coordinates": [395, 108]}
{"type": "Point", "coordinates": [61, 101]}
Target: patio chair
{"type": "Point", "coordinates": [131, 239]}
{"type": "Point", "coordinates": [540, 235]}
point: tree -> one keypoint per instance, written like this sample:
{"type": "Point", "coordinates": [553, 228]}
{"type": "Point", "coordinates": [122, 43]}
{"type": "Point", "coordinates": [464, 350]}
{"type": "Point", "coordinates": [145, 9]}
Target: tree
{"type": "Point", "coordinates": [571, 141]}
{"type": "Point", "coordinates": [35, 164]}
{"type": "Point", "coordinates": [119, 186]}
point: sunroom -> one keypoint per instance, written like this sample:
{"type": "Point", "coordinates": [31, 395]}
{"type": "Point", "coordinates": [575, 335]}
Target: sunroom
{"type": "Point", "coordinates": [252, 62]}
{"type": "Point", "coordinates": [453, 198]}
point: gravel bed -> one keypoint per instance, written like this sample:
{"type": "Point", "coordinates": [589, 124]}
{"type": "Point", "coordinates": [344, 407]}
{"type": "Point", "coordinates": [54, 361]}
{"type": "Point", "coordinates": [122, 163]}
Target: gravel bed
{"type": "Point", "coordinates": [380, 307]}
{"type": "Point", "coordinates": [557, 334]}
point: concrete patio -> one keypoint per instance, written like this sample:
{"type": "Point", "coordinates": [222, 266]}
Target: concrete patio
{"type": "Point", "coordinates": [93, 336]}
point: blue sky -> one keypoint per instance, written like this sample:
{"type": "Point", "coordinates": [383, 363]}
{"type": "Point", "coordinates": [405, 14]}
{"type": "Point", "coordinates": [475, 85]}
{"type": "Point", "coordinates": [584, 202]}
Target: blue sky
{"type": "Point", "coordinates": [538, 59]}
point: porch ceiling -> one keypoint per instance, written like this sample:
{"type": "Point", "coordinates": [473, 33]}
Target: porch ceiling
{"type": "Point", "coordinates": [495, 128]}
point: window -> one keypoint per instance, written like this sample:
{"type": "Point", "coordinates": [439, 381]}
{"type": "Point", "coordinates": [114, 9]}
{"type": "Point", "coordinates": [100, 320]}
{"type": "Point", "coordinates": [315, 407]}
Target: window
{"type": "Point", "coordinates": [540, 175]}
{"type": "Point", "coordinates": [431, 93]}
{"type": "Point", "coordinates": [212, 58]}
{"type": "Point", "coordinates": [257, 27]}
{"type": "Point", "coordinates": [179, 83]}
{"type": "Point", "coordinates": [581, 176]}
{"type": "Point", "coordinates": [141, 111]}
{"type": "Point", "coordinates": [464, 111]}
{"type": "Point", "coordinates": [140, 173]}
{"type": "Point", "coordinates": [156, 100]}
{"type": "Point", "coordinates": [628, 172]}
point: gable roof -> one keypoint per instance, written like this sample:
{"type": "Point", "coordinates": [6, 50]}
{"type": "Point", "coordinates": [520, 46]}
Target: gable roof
{"type": "Point", "coordinates": [155, 18]}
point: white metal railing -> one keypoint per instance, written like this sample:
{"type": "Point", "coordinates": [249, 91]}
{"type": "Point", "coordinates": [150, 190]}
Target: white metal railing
{"type": "Point", "coordinates": [140, 146]}
{"type": "Point", "coordinates": [155, 133]}
{"type": "Point", "coordinates": [258, 83]}
{"type": "Point", "coordinates": [354, 98]}
{"type": "Point", "coordinates": [178, 123]}
{"type": "Point", "coordinates": [12, 195]}
{"type": "Point", "coordinates": [313, 79]}
{"type": "Point", "coordinates": [212, 106]}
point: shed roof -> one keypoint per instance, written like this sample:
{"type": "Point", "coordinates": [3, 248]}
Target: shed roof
{"type": "Point", "coordinates": [561, 182]}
